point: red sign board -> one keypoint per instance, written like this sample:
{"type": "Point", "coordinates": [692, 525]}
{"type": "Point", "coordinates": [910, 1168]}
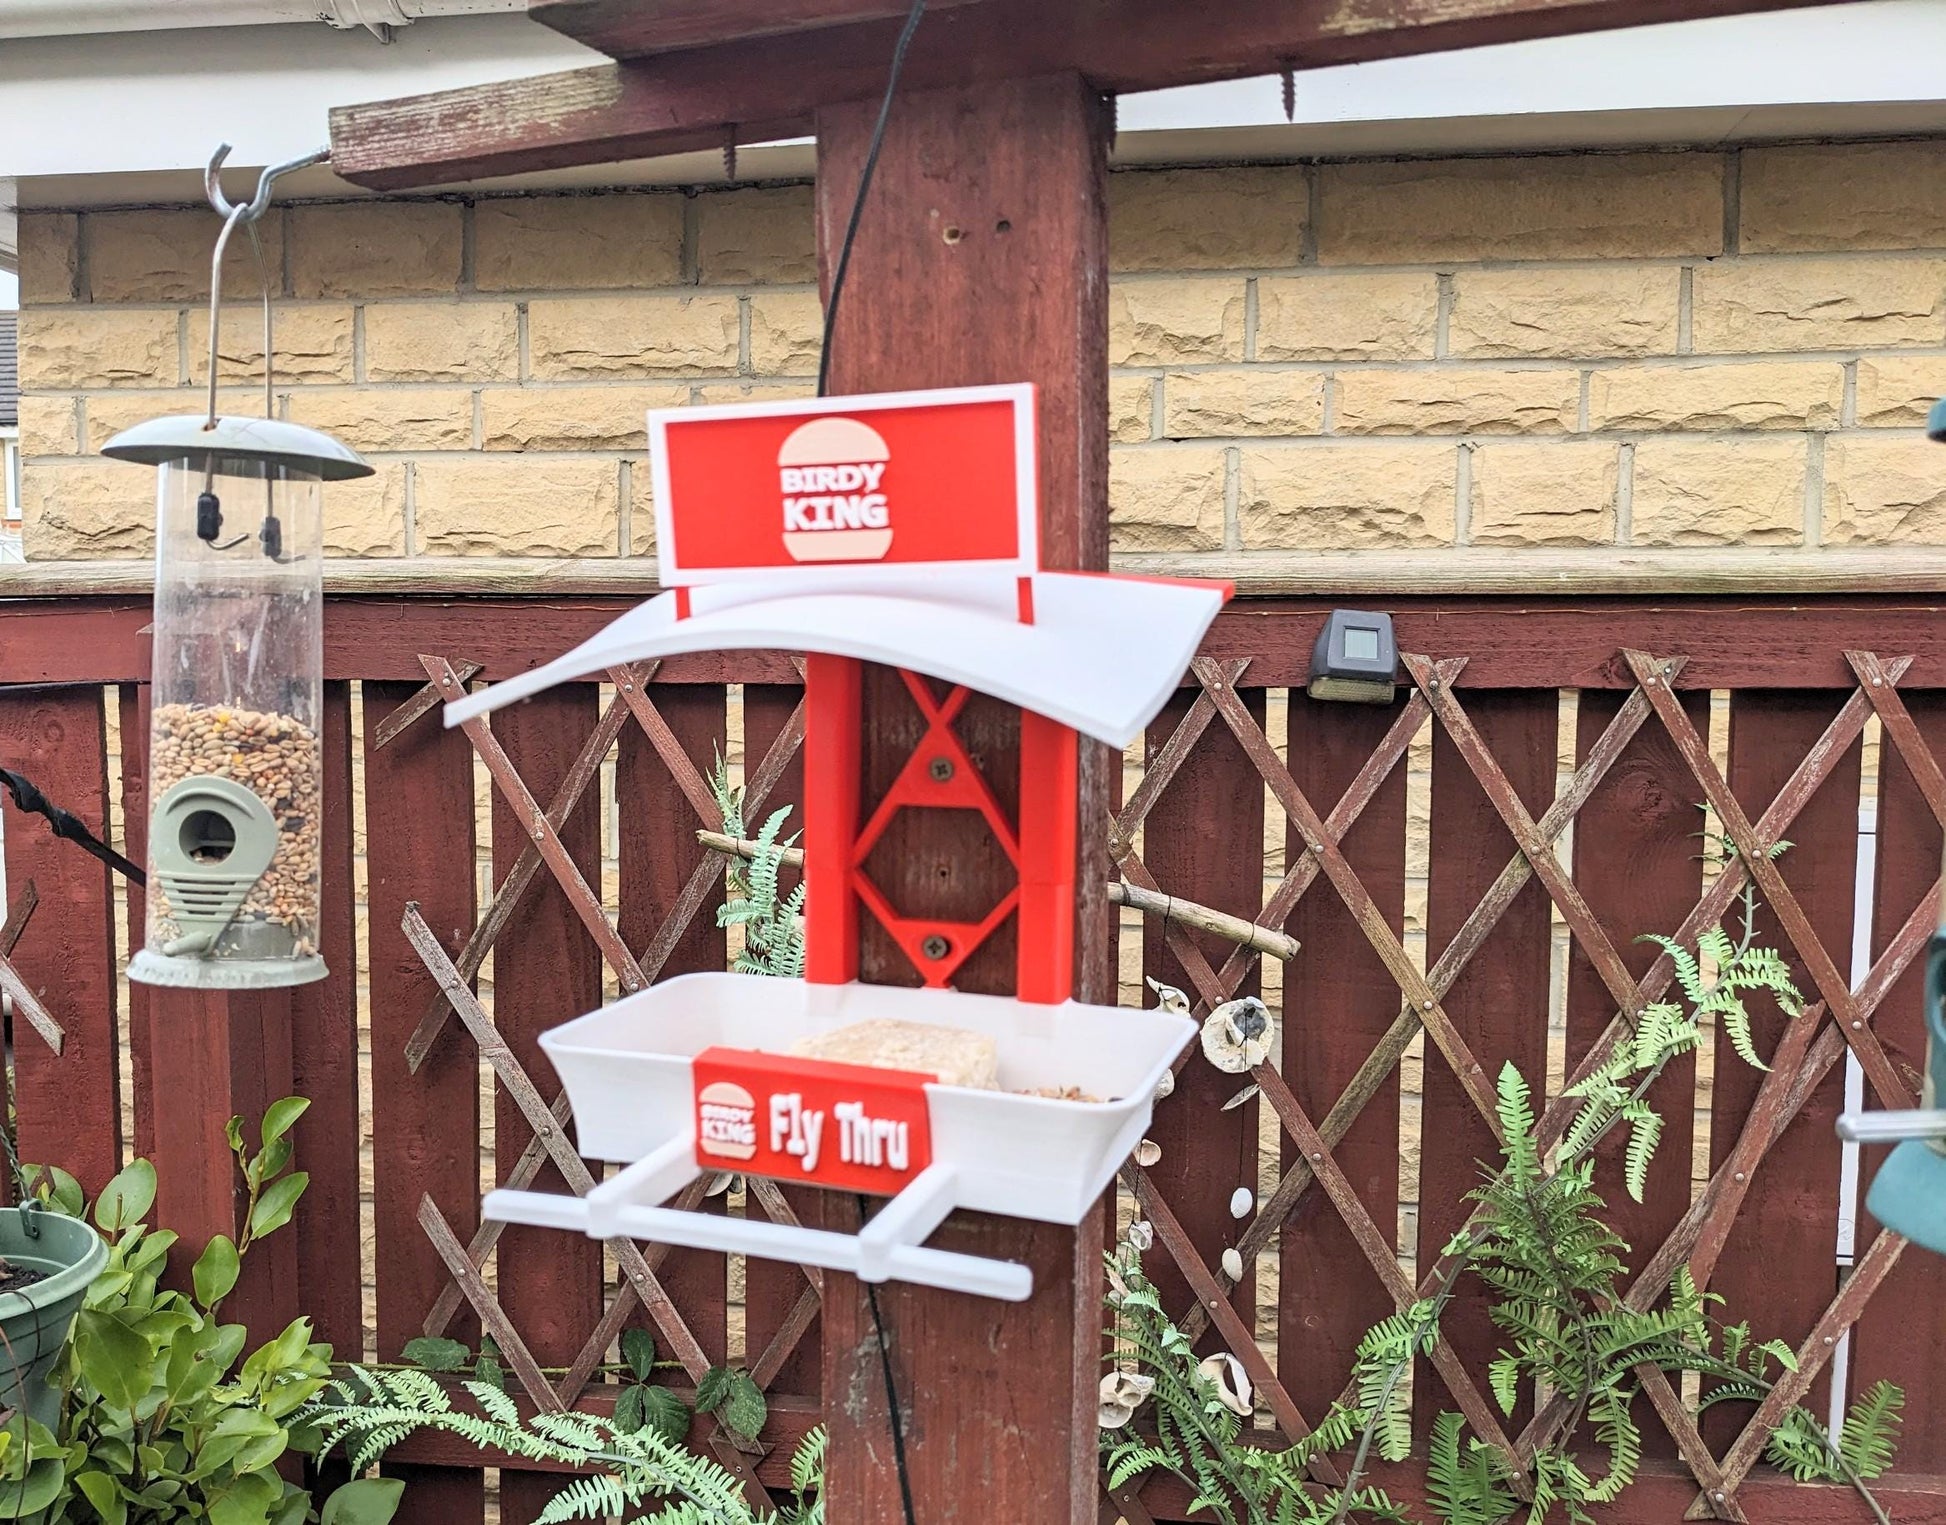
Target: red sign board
{"type": "Point", "coordinates": [897, 481]}
{"type": "Point", "coordinates": [847, 1126]}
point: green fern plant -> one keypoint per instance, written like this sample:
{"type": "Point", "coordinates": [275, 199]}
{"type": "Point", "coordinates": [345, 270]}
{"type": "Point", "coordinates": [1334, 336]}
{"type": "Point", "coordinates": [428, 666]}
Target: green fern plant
{"type": "Point", "coordinates": [772, 923]}
{"type": "Point", "coordinates": [1800, 1445]}
{"type": "Point", "coordinates": [366, 1412]}
{"type": "Point", "coordinates": [1198, 1439]}
{"type": "Point", "coordinates": [1539, 1242]}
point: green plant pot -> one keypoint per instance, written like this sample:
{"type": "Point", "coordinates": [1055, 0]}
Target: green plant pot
{"type": "Point", "coordinates": [34, 1321]}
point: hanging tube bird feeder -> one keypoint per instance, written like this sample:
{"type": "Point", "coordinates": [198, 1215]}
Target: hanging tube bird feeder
{"type": "Point", "coordinates": [236, 764]}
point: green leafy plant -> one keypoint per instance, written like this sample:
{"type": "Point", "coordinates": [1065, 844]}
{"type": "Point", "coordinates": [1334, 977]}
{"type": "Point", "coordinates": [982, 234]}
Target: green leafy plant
{"type": "Point", "coordinates": [1197, 1435]}
{"type": "Point", "coordinates": [1539, 1242]}
{"type": "Point", "coordinates": [772, 923]}
{"type": "Point", "coordinates": [367, 1411]}
{"type": "Point", "coordinates": [163, 1416]}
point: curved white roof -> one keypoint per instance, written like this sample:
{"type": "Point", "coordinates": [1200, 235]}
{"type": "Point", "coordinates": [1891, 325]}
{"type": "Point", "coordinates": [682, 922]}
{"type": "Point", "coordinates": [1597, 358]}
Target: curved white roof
{"type": "Point", "coordinates": [1103, 654]}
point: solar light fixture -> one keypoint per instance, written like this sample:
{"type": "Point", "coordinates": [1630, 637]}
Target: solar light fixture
{"type": "Point", "coordinates": [1355, 659]}
{"type": "Point", "coordinates": [236, 764]}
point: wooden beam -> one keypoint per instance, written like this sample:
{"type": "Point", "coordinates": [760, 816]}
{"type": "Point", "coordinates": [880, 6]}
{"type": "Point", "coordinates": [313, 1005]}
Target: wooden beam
{"type": "Point", "coordinates": [760, 88]}
{"type": "Point", "coordinates": [1343, 575]}
{"type": "Point", "coordinates": [629, 29]}
{"type": "Point", "coordinates": [999, 1398]}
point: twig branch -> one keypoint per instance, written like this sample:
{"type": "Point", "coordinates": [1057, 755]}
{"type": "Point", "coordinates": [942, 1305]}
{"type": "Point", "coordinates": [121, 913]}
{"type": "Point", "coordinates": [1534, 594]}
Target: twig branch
{"type": "Point", "coordinates": [1221, 924]}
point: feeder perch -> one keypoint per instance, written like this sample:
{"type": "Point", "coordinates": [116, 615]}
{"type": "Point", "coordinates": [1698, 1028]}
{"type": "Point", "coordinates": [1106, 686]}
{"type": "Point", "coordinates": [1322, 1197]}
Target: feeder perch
{"type": "Point", "coordinates": [899, 529]}
{"type": "Point", "coordinates": [236, 763]}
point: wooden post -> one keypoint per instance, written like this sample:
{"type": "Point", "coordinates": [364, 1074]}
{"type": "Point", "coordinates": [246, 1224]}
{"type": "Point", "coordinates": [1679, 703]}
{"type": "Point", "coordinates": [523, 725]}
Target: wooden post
{"type": "Point", "coordinates": [220, 1054]}
{"type": "Point", "coordinates": [981, 257]}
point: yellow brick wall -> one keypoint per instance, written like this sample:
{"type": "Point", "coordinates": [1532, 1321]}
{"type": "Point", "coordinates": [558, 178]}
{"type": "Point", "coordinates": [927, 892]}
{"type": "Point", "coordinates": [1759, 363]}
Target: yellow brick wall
{"type": "Point", "coordinates": [1689, 348]}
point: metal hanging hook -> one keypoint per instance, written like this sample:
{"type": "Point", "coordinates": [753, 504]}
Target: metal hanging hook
{"type": "Point", "coordinates": [243, 214]}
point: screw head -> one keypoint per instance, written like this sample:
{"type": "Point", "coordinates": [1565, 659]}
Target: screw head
{"type": "Point", "coordinates": [941, 769]}
{"type": "Point", "coordinates": [935, 947]}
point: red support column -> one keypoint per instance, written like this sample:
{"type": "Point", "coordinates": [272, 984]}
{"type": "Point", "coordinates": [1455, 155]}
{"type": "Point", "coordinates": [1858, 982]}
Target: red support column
{"type": "Point", "coordinates": [831, 749]}
{"type": "Point", "coordinates": [1050, 756]}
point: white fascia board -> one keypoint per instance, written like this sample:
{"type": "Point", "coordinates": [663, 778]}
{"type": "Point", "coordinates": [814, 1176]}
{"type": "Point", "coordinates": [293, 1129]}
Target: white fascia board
{"type": "Point", "coordinates": [131, 118]}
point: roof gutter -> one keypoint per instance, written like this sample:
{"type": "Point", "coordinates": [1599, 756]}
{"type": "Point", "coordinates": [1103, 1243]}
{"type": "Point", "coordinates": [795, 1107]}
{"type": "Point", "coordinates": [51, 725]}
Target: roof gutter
{"type": "Point", "coordinates": [74, 18]}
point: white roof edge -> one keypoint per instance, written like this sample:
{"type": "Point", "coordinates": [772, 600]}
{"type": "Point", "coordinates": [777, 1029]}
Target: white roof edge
{"type": "Point", "coordinates": [132, 117]}
{"type": "Point", "coordinates": [1103, 655]}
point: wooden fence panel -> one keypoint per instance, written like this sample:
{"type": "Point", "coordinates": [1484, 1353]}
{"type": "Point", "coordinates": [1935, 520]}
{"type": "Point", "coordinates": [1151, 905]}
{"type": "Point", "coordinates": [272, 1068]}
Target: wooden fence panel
{"type": "Point", "coordinates": [1498, 1004]}
{"type": "Point", "coordinates": [546, 971]}
{"type": "Point", "coordinates": [1338, 1001]}
{"type": "Point", "coordinates": [133, 700]}
{"type": "Point", "coordinates": [771, 1288]}
{"type": "Point", "coordinates": [67, 1106]}
{"type": "Point", "coordinates": [324, 1063]}
{"type": "Point", "coordinates": [1638, 863]}
{"type": "Point", "coordinates": [419, 848]}
{"type": "Point", "coordinates": [1207, 1153]}
{"type": "Point", "coordinates": [1901, 1336]}
{"type": "Point", "coordinates": [1778, 1268]}
{"type": "Point", "coordinates": [659, 852]}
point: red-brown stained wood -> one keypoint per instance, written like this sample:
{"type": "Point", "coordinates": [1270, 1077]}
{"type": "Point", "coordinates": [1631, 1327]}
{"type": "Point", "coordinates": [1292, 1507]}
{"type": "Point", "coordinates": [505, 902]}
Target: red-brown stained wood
{"type": "Point", "coordinates": [1777, 1268]}
{"type": "Point", "coordinates": [134, 701]}
{"type": "Point", "coordinates": [1637, 866]}
{"type": "Point", "coordinates": [626, 29]}
{"type": "Point", "coordinates": [771, 1287]}
{"type": "Point", "coordinates": [419, 847]}
{"type": "Point", "coordinates": [1002, 1397]}
{"type": "Point", "coordinates": [67, 1106]}
{"type": "Point", "coordinates": [659, 852]}
{"type": "Point", "coordinates": [1207, 1153]}
{"type": "Point", "coordinates": [1769, 641]}
{"type": "Point", "coordinates": [324, 1063]}
{"type": "Point", "coordinates": [546, 971]}
{"type": "Point", "coordinates": [1498, 1003]}
{"type": "Point", "coordinates": [227, 1054]}
{"type": "Point", "coordinates": [1890, 1342]}
{"type": "Point", "coordinates": [760, 88]}
{"type": "Point", "coordinates": [1338, 1001]}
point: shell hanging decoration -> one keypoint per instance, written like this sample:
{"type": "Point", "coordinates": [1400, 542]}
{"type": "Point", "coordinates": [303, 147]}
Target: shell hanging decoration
{"type": "Point", "coordinates": [1173, 1001]}
{"type": "Point", "coordinates": [1238, 1034]}
{"type": "Point", "coordinates": [1122, 1393]}
{"type": "Point", "coordinates": [1242, 1200]}
{"type": "Point", "coordinates": [1147, 1153]}
{"type": "Point", "coordinates": [1226, 1375]}
{"type": "Point", "coordinates": [1233, 1264]}
{"type": "Point", "coordinates": [1141, 1236]}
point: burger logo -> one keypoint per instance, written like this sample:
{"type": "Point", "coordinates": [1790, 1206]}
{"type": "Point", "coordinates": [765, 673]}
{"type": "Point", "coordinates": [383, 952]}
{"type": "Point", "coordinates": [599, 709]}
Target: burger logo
{"type": "Point", "coordinates": [830, 472]}
{"type": "Point", "coordinates": [727, 1121]}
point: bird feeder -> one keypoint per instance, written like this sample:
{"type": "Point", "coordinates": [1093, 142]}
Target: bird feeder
{"type": "Point", "coordinates": [899, 529]}
{"type": "Point", "coordinates": [236, 764]}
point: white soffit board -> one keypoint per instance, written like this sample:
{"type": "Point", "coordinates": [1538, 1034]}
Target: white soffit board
{"type": "Point", "coordinates": [131, 118]}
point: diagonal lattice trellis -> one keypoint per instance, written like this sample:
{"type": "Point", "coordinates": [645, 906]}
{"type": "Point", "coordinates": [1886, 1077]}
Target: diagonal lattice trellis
{"type": "Point", "coordinates": [640, 1286]}
{"type": "Point", "coordinates": [1840, 1020]}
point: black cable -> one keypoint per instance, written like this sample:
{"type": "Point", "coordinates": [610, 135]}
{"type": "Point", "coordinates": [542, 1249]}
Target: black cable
{"type": "Point", "coordinates": [838, 272]}
{"type": "Point", "coordinates": [864, 184]}
{"type": "Point", "coordinates": [891, 1392]}
{"type": "Point", "coordinates": [66, 825]}
{"type": "Point", "coordinates": [892, 1404]}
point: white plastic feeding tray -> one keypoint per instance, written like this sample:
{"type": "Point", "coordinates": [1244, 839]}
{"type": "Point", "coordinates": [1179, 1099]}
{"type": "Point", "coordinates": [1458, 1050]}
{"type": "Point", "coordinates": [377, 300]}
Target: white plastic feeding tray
{"type": "Point", "coordinates": [629, 1077]}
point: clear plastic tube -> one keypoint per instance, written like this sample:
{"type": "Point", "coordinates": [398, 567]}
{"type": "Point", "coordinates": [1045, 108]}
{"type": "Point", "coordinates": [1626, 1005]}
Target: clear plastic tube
{"type": "Point", "coordinates": [236, 764]}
